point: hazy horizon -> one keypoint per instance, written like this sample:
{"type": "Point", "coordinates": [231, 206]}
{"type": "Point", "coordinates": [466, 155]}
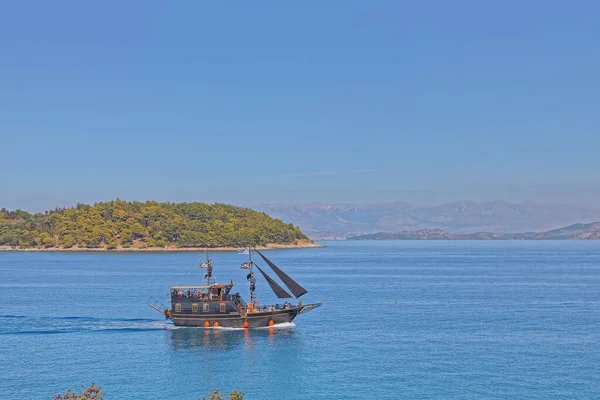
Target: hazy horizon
{"type": "Point", "coordinates": [67, 204]}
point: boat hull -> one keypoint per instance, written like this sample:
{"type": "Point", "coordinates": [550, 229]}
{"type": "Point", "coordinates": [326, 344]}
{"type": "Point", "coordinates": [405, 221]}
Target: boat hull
{"type": "Point", "coordinates": [235, 320]}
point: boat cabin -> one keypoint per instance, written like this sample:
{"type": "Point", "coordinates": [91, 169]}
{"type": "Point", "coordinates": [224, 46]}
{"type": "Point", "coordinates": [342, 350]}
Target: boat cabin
{"type": "Point", "coordinates": [213, 299]}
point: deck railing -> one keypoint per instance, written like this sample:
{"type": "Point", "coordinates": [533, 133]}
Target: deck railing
{"type": "Point", "coordinates": [203, 297]}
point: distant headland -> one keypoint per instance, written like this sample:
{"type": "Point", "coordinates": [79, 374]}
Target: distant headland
{"type": "Point", "coordinates": [589, 231]}
{"type": "Point", "coordinates": [147, 226]}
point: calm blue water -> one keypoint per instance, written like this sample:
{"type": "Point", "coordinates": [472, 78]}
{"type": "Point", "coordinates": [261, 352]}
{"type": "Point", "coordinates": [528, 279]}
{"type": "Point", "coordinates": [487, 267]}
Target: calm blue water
{"type": "Point", "coordinates": [473, 320]}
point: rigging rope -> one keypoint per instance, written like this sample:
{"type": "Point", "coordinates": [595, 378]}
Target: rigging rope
{"type": "Point", "coordinates": [198, 262]}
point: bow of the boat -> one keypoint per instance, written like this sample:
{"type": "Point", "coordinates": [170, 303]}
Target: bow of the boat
{"type": "Point", "coordinates": [309, 307]}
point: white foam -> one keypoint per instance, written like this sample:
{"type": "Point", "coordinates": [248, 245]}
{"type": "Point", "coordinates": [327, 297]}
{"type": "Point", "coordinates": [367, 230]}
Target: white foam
{"type": "Point", "coordinates": [281, 325]}
{"type": "Point", "coordinates": [228, 328]}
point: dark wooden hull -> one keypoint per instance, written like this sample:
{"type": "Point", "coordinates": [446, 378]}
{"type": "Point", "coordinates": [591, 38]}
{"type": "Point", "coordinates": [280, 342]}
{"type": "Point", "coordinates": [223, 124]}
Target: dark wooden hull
{"type": "Point", "coordinates": [235, 320]}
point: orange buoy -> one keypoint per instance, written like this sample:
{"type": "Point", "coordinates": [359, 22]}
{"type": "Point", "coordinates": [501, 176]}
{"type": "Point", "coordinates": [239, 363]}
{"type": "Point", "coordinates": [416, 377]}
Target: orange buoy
{"type": "Point", "coordinates": [215, 324]}
{"type": "Point", "coordinates": [271, 323]}
{"type": "Point", "coordinates": [245, 324]}
{"type": "Point", "coordinates": [206, 323]}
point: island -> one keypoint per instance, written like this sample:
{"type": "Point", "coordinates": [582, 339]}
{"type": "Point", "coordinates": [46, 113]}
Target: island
{"type": "Point", "coordinates": [150, 225]}
{"type": "Point", "coordinates": [589, 231]}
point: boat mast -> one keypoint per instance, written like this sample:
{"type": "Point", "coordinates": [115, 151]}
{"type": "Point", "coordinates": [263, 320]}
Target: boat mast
{"type": "Point", "coordinates": [208, 275]}
{"type": "Point", "coordinates": [252, 280]}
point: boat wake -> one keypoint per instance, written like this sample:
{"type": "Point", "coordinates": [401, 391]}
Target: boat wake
{"type": "Point", "coordinates": [27, 325]}
{"type": "Point", "coordinates": [283, 325]}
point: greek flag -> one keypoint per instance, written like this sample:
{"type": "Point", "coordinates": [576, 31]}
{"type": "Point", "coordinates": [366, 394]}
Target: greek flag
{"type": "Point", "coordinates": [244, 251]}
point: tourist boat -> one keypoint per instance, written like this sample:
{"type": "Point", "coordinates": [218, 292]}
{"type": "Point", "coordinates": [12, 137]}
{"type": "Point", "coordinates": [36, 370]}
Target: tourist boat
{"type": "Point", "coordinates": [213, 305]}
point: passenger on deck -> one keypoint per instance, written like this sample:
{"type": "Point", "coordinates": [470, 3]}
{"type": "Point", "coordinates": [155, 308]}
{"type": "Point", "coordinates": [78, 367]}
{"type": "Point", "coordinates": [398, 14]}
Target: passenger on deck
{"type": "Point", "coordinates": [277, 306]}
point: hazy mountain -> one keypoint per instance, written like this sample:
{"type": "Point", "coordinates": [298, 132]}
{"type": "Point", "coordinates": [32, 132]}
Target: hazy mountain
{"type": "Point", "coordinates": [342, 220]}
{"type": "Point", "coordinates": [577, 231]}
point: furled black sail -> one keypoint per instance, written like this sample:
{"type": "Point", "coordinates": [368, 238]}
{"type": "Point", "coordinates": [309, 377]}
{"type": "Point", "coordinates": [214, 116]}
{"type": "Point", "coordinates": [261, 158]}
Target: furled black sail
{"type": "Point", "coordinates": [278, 290]}
{"type": "Point", "coordinates": [289, 282]}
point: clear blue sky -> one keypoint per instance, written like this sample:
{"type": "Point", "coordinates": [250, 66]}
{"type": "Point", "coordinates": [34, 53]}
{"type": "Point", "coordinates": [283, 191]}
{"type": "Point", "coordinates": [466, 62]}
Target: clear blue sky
{"type": "Point", "coordinates": [333, 101]}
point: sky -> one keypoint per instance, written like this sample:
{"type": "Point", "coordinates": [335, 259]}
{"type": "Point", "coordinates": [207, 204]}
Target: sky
{"type": "Point", "coordinates": [264, 101]}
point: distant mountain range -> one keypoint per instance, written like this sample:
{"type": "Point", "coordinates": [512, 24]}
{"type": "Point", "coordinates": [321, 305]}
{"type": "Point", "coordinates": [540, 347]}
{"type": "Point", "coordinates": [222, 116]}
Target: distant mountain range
{"type": "Point", "coordinates": [339, 221]}
{"type": "Point", "coordinates": [576, 231]}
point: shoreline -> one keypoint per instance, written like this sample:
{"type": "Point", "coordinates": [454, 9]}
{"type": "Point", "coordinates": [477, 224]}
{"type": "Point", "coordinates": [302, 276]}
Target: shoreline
{"type": "Point", "coordinates": [274, 246]}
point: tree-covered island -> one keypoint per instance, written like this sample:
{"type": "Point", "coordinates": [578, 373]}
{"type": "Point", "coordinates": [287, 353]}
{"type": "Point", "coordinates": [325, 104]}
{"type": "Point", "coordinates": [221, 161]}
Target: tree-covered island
{"type": "Point", "coordinates": [120, 225]}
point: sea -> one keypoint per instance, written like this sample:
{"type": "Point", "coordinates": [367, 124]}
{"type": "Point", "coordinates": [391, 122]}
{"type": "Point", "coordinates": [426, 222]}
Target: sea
{"type": "Point", "coordinates": [401, 320]}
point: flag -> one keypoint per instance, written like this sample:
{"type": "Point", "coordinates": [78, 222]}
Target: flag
{"type": "Point", "coordinates": [245, 265]}
{"type": "Point", "coordinates": [243, 251]}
